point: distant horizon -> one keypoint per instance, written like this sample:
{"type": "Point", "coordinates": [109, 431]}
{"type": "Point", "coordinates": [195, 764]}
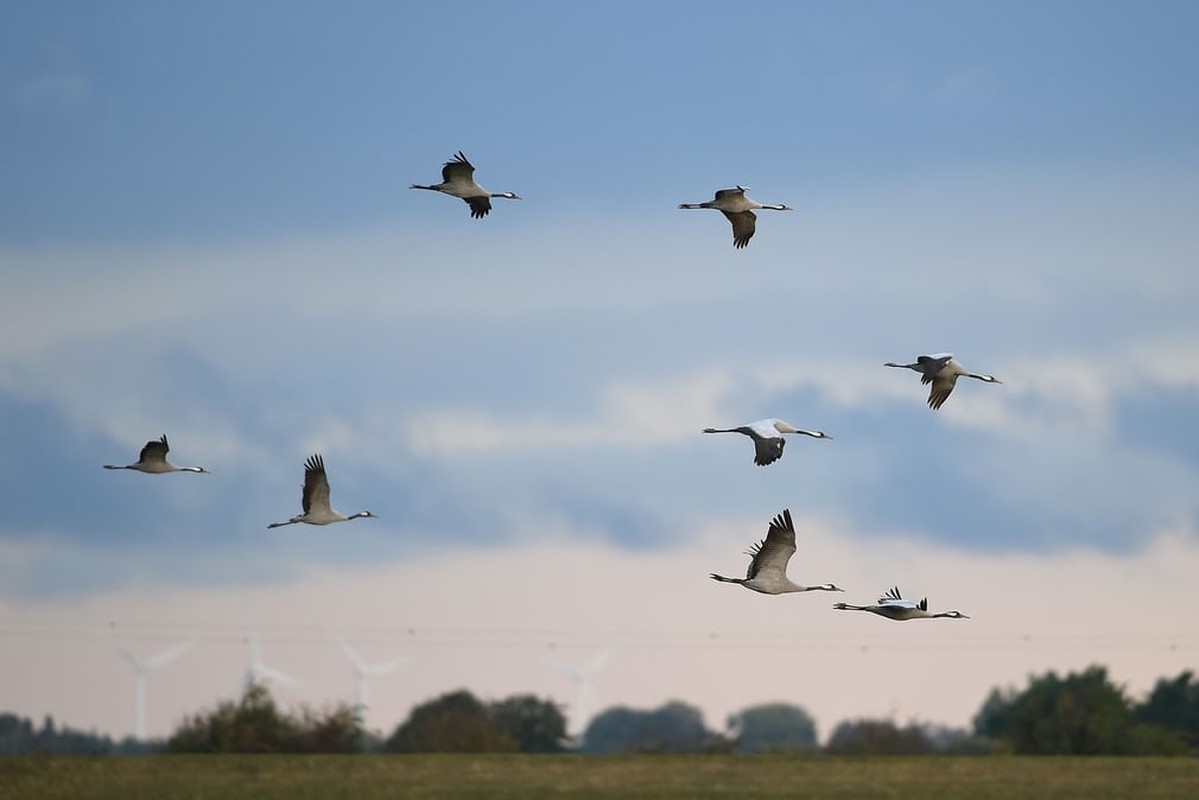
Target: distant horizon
{"type": "Point", "coordinates": [716, 726]}
{"type": "Point", "coordinates": [835, 665]}
{"type": "Point", "coordinates": [823, 736]}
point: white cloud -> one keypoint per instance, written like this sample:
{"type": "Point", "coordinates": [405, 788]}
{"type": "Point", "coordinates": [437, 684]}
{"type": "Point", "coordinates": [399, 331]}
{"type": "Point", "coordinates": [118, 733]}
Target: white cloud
{"type": "Point", "coordinates": [1068, 395]}
{"type": "Point", "coordinates": [1171, 363]}
{"type": "Point", "coordinates": [630, 415]}
{"type": "Point", "coordinates": [581, 373]}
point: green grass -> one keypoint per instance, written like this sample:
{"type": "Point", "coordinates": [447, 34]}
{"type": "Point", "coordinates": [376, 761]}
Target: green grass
{"type": "Point", "coordinates": [504, 776]}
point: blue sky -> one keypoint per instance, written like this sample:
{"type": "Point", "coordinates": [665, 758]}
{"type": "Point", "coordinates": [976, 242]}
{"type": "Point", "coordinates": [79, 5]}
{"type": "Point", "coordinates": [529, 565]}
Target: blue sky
{"type": "Point", "coordinates": [159, 121]}
{"type": "Point", "coordinates": [206, 230]}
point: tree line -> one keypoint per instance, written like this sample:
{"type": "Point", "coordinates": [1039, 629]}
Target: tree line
{"type": "Point", "coordinates": [21, 735]}
{"type": "Point", "coordinates": [1081, 713]}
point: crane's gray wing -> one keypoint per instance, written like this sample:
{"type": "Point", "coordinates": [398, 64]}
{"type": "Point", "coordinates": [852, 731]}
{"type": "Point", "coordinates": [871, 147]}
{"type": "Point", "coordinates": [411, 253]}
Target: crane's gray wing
{"type": "Point", "coordinates": [931, 365]}
{"type": "Point", "coordinates": [744, 224]}
{"type": "Point", "coordinates": [457, 169]}
{"type": "Point", "coordinates": [155, 450]}
{"type": "Point", "coordinates": [479, 206]}
{"type": "Point", "coordinates": [316, 484]}
{"type": "Point", "coordinates": [768, 451]}
{"type": "Point", "coordinates": [773, 552]}
{"type": "Point", "coordinates": [942, 387]}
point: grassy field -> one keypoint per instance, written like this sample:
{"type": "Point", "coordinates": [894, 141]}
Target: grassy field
{"type": "Point", "coordinates": [453, 776]}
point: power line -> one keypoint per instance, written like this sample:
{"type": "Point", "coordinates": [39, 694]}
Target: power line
{"type": "Point", "coordinates": [305, 634]}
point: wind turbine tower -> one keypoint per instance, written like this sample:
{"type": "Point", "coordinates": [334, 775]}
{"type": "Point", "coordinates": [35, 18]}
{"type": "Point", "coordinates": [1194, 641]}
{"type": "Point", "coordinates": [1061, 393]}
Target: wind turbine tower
{"type": "Point", "coordinates": [584, 678]}
{"type": "Point", "coordinates": [141, 668]}
{"type": "Point", "coordinates": [258, 673]}
{"type": "Point", "coordinates": [363, 672]}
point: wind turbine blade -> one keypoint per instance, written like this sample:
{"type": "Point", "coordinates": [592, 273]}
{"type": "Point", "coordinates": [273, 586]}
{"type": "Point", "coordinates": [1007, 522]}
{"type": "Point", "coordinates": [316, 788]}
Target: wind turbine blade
{"type": "Point", "coordinates": [561, 666]}
{"type": "Point", "coordinates": [598, 661]}
{"type": "Point", "coordinates": [355, 659]}
{"type": "Point", "coordinates": [273, 674]}
{"type": "Point", "coordinates": [138, 664]}
{"type": "Point", "coordinates": [385, 667]}
{"type": "Point", "coordinates": [168, 655]}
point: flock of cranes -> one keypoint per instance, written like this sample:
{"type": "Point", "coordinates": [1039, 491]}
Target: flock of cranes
{"type": "Point", "coordinates": [314, 497]}
{"type": "Point", "coordinates": [767, 574]}
{"type": "Point", "coordinates": [767, 571]}
{"type": "Point", "coordinates": [769, 558]}
{"type": "Point", "coordinates": [458, 180]}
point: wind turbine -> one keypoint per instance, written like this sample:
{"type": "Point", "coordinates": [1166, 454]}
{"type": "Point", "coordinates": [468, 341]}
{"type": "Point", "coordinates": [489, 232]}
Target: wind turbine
{"type": "Point", "coordinates": [258, 673]}
{"type": "Point", "coordinates": [584, 677]}
{"type": "Point", "coordinates": [363, 672]}
{"type": "Point", "coordinates": [141, 668]}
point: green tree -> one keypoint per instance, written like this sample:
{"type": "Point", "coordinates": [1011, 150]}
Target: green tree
{"type": "Point", "coordinates": [677, 727]}
{"type": "Point", "coordinates": [255, 724]}
{"type": "Point", "coordinates": [335, 730]}
{"type": "Point", "coordinates": [877, 737]}
{"type": "Point", "coordinates": [995, 715]}
{"type": "Point", "coordinates": [956, 741]}
{"type": "Point", "coordinates": [18, 735]}
{"type": "Point", "coordinates": [614, 730]}
{"type": "Point", "coordinates": [456, 722]}
{"type": "Point", "coordinates": [672, 728]}
{"type": "Point", "coordinates": [1081, 714]}
{"type": "Point", "coordinates": [773, 727]}
{"type": "Point", "coordinates": [1173, 705]}
{"type": "Point", "coordinates": [1154, 740]}
{"type": "Point", "coordinates": [537, 726]}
